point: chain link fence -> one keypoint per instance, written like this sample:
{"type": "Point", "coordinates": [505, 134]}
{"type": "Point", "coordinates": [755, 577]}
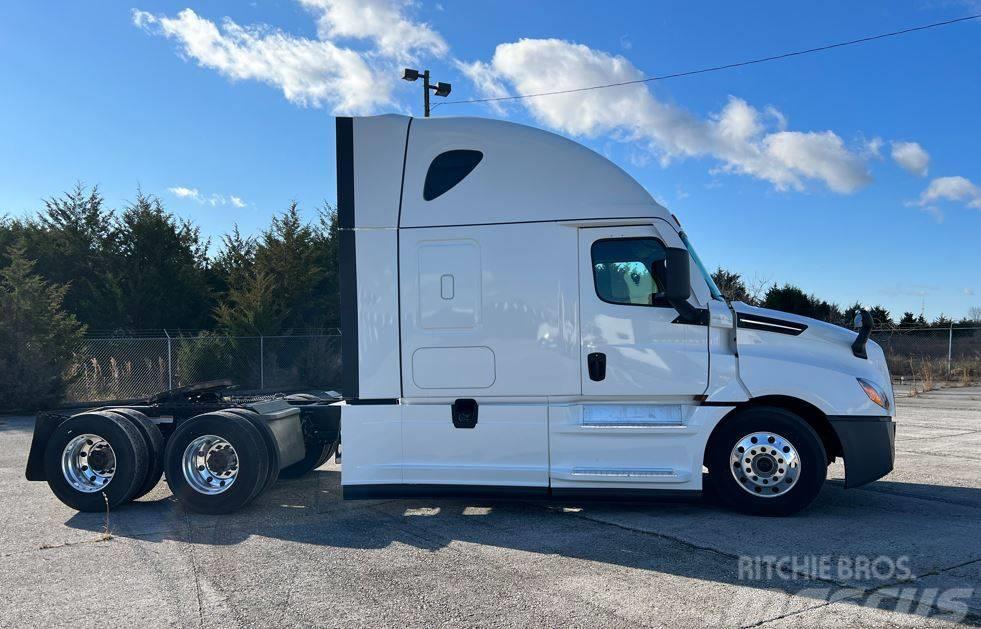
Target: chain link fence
{"type": "Point", "coordinates": [932, 354]}
{"type": "Point", "coordinates": [130, 368]}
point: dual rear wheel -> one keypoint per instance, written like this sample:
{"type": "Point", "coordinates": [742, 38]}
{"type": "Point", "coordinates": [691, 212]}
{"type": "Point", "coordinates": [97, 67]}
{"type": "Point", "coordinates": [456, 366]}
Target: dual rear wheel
{"type": "Point", "coordinates": [215, 463]}
{"type": "Point", "coordinates": [219, 462]}
{"type": "Point", "coordinates": [98, 460]}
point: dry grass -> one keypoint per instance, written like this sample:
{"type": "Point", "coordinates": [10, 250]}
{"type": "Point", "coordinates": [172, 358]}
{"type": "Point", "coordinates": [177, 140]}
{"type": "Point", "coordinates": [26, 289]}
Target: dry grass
{"type": "Point", "coordinates": [106, 533]}
{"type": "Point", "coordinates": [929, 384]}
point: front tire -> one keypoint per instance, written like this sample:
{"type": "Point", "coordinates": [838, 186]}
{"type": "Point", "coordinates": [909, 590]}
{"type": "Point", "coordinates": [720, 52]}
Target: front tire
{"type": "Point", "coordinates": [766, 461]}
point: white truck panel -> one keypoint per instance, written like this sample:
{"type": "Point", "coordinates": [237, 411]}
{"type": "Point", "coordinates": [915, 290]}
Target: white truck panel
{"type": "Point", "coordinates": [508, 327]}
{"type": "Point", "coordinates": [507, 447]}
{"type": "Point", "coordinates": [379, 150]}
{"type": "Point", "coordinates": [638, 445]}
{"type": "Point", "coordinates": [378, 308]}
{"type": "Point", "coordinates": [371, 438]}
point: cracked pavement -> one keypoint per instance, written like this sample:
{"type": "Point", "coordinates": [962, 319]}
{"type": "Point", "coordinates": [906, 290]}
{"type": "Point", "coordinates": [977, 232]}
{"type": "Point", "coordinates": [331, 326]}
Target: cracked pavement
{"type": "Point", "coordinates": [300, 556]}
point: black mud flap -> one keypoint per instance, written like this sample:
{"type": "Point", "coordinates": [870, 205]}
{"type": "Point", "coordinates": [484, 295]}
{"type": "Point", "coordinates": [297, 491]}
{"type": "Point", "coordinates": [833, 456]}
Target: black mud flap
{"type": "Point", "coordinates": [44, 425]}
{"type": "Point", "coordinates": [868, 445]}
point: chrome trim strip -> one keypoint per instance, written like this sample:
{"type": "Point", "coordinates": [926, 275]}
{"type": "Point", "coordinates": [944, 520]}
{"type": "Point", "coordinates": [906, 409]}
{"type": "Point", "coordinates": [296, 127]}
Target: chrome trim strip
{"type": "Point", "coordinates": [633, 423]}
{"type": "Point", "coordinates": [767, 323]}
{"type": "Point", "coordinates": [623, 472]}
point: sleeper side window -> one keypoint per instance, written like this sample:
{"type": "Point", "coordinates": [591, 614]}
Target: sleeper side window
{"type": "Point", "coordinates": [629, 270]}
{"type": "Point", "coordinates": [447, 170]}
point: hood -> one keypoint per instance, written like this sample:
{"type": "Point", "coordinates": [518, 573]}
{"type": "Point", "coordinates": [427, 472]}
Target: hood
{"type": "Point", "coordinates": [803, 349]}
{"type": "Point", "coordinates": [813, 328]}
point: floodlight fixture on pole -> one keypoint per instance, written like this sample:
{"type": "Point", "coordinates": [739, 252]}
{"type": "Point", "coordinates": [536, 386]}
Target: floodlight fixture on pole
{"type": "Point", "coordinates": [440, 89]}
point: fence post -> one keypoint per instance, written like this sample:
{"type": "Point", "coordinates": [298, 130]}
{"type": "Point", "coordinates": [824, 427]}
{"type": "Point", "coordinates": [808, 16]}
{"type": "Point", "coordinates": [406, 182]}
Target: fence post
{"type": "Point", "coordinates": [262, 364]}
{"type": "Point", "coordinates": [170, 366]}
{"type": "Point", "coordinates": [950, 350]}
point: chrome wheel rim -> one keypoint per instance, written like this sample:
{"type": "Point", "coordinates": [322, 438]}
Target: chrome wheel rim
{"type": "Point", "coordinates": [210, 465]}
{"type": "Point", "coordinates": [765, 464]}
{"type": "Point", "coordinates": [88, 463]}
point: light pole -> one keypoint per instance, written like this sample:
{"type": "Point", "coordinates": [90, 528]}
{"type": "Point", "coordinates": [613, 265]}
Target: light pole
{"type": "Point", "coordinates": [440, 89]}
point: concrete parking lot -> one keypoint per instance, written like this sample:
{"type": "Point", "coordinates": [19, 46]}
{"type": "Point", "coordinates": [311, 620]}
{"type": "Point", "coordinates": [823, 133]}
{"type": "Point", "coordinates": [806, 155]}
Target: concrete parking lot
{"type": "Point", "coordinates": [904, 551]}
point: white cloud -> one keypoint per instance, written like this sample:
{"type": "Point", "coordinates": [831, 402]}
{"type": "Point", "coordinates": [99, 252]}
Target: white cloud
{"type": "Point", "coordinates": [911, 157]}
{"type": "Point", "coordinates": [382, 21]}
{"type": "Point", "coordinates": [873, 148]}
{"type": "Point", "coordinates": [968, 291]}
{"type": "Point", "coordinates": [214, 199]}
{"type": "Point", "coordinates": [488, 85]}
{"type": "Point", "coordinates": [309, 72]}
{"type": "Point", "coordinates": [958, 189]}
{"type": "Point", "coordinates": [743, 138]}
{"type": "Point", "coordinates": [951, 189]}
{"type": "Point", "coordinates": [186, 193]}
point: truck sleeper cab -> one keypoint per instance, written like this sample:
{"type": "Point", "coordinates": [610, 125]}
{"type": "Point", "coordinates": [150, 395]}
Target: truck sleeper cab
{"type": "Point", "coordinates": [520, 316]}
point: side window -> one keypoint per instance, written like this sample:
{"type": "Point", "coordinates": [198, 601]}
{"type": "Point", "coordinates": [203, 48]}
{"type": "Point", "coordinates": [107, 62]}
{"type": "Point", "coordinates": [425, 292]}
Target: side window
{"type": "Point", "coordinates": [447, 170]}
{"type": "Point", "coordinates": [628, 270]}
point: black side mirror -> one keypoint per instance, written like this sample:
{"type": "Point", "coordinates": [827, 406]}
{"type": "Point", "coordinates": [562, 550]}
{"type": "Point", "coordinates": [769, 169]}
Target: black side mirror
{"type": "Point", "coordinates": [678, 279]}
{"type": "Point", "coordinates": [863, 323]}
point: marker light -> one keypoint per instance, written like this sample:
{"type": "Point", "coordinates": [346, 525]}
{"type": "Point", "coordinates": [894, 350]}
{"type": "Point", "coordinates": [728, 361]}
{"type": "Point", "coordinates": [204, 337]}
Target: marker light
{"type": "Point", "coordinates": [875, 393]}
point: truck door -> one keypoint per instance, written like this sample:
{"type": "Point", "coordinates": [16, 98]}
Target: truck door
{"type": "Point", "coordinates": [626, 328]}
{"type": "Point", "coordinates": [642, 369]}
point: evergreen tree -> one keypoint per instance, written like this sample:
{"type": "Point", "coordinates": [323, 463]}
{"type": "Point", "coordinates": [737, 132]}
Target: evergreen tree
{"type": "Point", "coordinates": [252, 309]}
{"type": "Point", "coordinates": [881, 317]}
{"type": "Point", "coordinates": [162, 269]}
{"type": "Point", "coordinates": [908, 320]}
{"type": "Point", "coordinates": [731, 285]}
{"type": "Point", "coordinates": [72, 241]}
{"type": "Point", "coordinates": [235, 263]}
{"type": "Point", "coordinates": [327, 241]}
{"type": "Point", "coordinates": [789, 298]}
{"type": "Point", "coordinates": [297, 257]}
{"type": "Point", "coordinates": [37, 336]}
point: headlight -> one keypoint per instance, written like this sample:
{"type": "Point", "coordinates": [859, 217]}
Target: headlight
{"type": "Point", "coordinates": [875, 394]}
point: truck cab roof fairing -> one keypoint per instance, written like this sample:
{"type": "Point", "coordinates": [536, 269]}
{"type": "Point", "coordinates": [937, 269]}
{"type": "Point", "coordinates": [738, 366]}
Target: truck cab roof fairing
{"type": "Point", "coordinates": [525, 174]}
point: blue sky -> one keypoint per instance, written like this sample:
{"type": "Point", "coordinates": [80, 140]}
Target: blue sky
{"type": "Point", "coordinates": [854, 173]}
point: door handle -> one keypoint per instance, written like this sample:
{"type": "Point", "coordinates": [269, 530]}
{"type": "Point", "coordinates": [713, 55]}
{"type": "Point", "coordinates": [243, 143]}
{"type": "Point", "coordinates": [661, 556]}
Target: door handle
{"type": "Point", "coordinates": [596, 362]}
{"type": "Point", "coordinates": [464, 413]}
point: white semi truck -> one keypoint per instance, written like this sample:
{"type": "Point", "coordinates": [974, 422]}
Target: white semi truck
{"type": "Point", "coordinates": [520, 317]}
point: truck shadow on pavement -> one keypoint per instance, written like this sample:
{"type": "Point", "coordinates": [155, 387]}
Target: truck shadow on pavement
{"type": "Point", "coordinates": [916, 536]}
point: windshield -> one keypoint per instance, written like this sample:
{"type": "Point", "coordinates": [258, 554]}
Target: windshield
{"type": "Point", "coordinates": [716, 293]}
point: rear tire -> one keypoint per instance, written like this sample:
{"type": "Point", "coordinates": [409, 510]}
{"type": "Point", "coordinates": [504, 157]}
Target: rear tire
{"type": "Point", "coordinates": [95, 461]}
{"type": "Point", "coordinates": [267, 437]}
{"type": "Point", "coordinates": [317, 454]}
{"type": "Point", "coordinates": [766, 461]}
{"type": "Point", "coordinates": [196, 483]}
{"type": "Point", "coordinates": [155, 449]}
